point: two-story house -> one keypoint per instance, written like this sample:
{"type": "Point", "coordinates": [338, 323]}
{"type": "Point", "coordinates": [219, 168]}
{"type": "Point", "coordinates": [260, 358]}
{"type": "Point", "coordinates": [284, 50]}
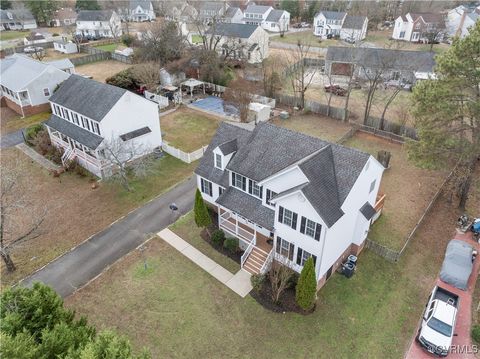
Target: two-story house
{"type": "Point", "coordinates": [337, 23]}
{"type": "Point", "coordinates": [460, 20]}
{"type": "Point", "coordinates": [17, 19]}
{"type": "Point", "coordinates": [212, 11]}
{"type": "Point", "coordinates": [233, 15]}
{"type": "Point", "coordinates": [140, 10]}
{"type": "Point", "coordinates": [27, 84]}
{"type": "Point", "coordinates": [240, 41]}
{"type": "Point", "coordinates": [267, 17]}
{"type": "Point", "coordinates": [89, 116]}
{"type": "Point", "coordinates": [288, 196]}
{"type": "Point", "coordinates": [419, 27]}
{"type": "Point", "coordinates": [63, 17]}
{"type": "Point", "coordinates": [98, 24]}
{"type": "Point", "coordinates": [181, 12]}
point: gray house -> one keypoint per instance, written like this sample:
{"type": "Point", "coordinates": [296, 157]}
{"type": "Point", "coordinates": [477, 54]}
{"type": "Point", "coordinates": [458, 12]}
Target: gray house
{"type": "Point", "coordinates": [400, 65]}
{"type": "Point", "coordinates": [19, 19]}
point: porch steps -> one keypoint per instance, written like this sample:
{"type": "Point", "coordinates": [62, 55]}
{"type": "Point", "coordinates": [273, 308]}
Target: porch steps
{"type": "Point", "coordinates": [255, 260]}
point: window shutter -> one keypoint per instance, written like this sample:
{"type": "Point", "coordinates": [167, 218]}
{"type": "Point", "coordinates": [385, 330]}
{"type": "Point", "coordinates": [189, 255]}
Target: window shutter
{"type": "Point", "coordinates": [280, 214]}
{"type": "Point", "coordinates": [294, 220]}
{"type": "Point", "coordinates": [250, 185]}
{"type": "Point", "coordinates": [290, 251]}
{"type": "Point", "coordinates": [210, 192]}
{"type": "Point", "coordinates": [318, 230]}
{"type": "Point", "coordinates": [233, 179]}
{"type": "Point", "coordinates": [261, 192]}
{"type": "Point", "coordinates": [244, 183]}
{"type": "Point", "coordinates": [299, 255]}
{"type": "Point", "coordinates": [278, 245]}
{"type": "Point", "coordinates": [314, 260]}
{"type": "Point", "coordinates": [302, 225]}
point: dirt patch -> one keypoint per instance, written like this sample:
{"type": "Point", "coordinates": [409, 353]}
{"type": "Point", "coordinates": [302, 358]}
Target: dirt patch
{"type": "Point", "coordinates": [52, 54]}
{"type": "Point", "coordinates": [101, 70]}
{"type": "Point", "coordinates": [7, 115]}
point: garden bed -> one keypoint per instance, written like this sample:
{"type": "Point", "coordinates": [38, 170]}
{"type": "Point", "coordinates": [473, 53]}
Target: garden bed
{"type": "Point", "coordinates": [237, 256]}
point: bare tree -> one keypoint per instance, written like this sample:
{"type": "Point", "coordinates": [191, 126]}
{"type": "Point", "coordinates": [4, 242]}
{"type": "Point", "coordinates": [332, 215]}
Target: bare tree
{"type": "Point", "coordinates": [239, 96]}
{"type": "Point", "coordinates": [271, 75]}
{"type": "Point", "coordinates": [162, 42]}
{"type": "Point", "coordinates": [125, 159]}
{"type": "Point", "coordinates": [114, 28]}
{"type": "Point", "coordinates": [71, 31]}
{"type": "Point", "coordinates": [16, 225]}
{"type": "Point", "coordinates": [279, 276]}
{"type": "Point", "coordinates": [148, 74]}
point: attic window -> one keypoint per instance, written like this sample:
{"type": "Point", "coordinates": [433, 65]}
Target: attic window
{"type": "Point", "coordinates": [137, 133]}
{"type": "Point", "coordinates": [218, 161]}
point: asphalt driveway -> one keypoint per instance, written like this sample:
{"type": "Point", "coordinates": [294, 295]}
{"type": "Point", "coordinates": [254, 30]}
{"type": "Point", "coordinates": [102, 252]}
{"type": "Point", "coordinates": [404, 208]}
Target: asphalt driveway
{"type": "Point", "coordinates": [83, 263]}
{"type": "Point", "coordinates": [11, 139]}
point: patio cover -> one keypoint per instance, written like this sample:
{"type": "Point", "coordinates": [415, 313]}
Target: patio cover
{"type": "Point", "coordinates": [457, 265]}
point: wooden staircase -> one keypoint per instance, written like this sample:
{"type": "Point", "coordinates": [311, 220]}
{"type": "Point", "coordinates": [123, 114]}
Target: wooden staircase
{"type": "Point", "coordinates": [255, 260]}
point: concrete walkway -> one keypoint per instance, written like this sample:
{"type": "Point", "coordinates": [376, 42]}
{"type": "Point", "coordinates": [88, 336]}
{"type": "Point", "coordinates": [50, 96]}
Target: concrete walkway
{"type": "Point", "coordinates": [11, 139]}
{"type": "Point", "coordinates": [239, 282]}
{"type": "Point", "coordinates": [34, 155]}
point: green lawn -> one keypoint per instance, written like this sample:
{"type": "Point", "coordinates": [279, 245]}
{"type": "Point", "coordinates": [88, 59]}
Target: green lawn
{"type": "Point", "coordinates": [188, 129]}
{"type": "Point", "coordinates": [186, 228]}
{"type": "Point", "coordinates": [306, 37]}
{"type": "Point", "coordinates": [196, 39]}
{"type": "Point", "coordinates": [11, 35]}
{"type": "Point", "coordinates": [108, 47]}
{"type": "Point", "coordinates": [18, 122]}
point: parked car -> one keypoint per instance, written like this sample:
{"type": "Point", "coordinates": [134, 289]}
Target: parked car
{"type": "Point", "coordinates": [305, 24]}
{"type": "Point", "coordinates": [336, 90]}
{"type": "Point", "coordinates": [33, 49]}
{"type": "Point", "coordinates": [438, 323]}
{"type": "Point", "coordinates": [350, 40]}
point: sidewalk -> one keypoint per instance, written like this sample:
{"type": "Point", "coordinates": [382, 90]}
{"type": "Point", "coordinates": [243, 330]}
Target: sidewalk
{"type": "Point", "coordinates": [239, 282]}
{"type": "Point", "coordinates": [42, 161]}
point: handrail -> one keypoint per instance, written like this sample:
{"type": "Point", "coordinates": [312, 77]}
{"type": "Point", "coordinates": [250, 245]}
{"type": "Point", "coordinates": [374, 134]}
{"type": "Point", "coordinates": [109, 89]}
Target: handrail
{"type": "Point", "coordinates": [267, 262]}
{"type": "Point", "coordinates": [246, 253]}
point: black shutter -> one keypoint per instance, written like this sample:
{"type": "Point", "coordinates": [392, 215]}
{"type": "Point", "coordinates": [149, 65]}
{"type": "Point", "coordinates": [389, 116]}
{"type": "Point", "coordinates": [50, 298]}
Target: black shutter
{"type": "Point", "coordinates": [244, 183]}
{"type": "Point", "coordinates": [280, 214]}
{"type": "Point", "coordinates": [318, 230]}
{"type": "Point", "coordinates": [250, 185]}
{"type": "Point", "coordinates": [210, 188]}
{"type": "Point", "coordinates": [261, 192]}
{"type": "Point", "coordinates": [278, 244]}
{"type": "Point", "coordinates": [302, 225]}
{"type": "Point", "coordinates": [233, 179]}
{"type": "Point", "coordinates": [314, 260]}
{"type": "Point", "coordinates": [294, 220]}
{"type": "Point", "coordinates": [290, 251]}
{"type": "Point", "coordinates": [299, 255]}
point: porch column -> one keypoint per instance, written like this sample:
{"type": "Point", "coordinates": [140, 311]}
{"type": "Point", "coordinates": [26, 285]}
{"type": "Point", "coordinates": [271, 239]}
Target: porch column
{"type": "Point", "coordinates": [236, 224]}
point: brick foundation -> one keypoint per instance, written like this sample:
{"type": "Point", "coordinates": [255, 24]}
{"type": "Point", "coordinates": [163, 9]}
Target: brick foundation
{"type": "Point", "coordinates": [27, 110]}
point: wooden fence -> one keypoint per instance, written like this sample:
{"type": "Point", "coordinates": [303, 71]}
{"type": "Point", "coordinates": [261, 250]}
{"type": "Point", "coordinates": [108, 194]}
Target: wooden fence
{"type": "Point", "coordinates": [20, 49]}
{"type": "Point", "coordinates": [393, 127]}
{"type": "Point", "coordinates": [308, 62]}
{"type": "Point", "coordinates": [77, 61]}
{"type": "Point", "coordinates": [316, 107]}
{"type": "Point", "coordinates": [385, 252]}
{"type": "Point", "coordinates": [183, 156]}
{"type": "Point", "coordinates": [95, 54]}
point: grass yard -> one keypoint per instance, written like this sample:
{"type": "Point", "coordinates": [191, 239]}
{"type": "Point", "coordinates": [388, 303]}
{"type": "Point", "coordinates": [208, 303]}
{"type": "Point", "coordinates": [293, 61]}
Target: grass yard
{"type": "Point", "coordinates": [177, 310]}
{"type": "Point", "coordinates": [75, 211]}
{"type": "Point", "coordinates": [307, 37]}
{"type": "Point", "coordinates": [108, 47]}
{"type": "Point", "coordinates": [186, 228]}
{"type": "Point", "coordinates": [101, 70]}
{"type": "Point", "coordinates": [51, 55]}
{"type": "Point", "coordinates": [11, 122]}
{"type": "Point", "coordinates": [12, 35]}
{"type": "Point", "coordinates": [188, 129]}
{"type": "Point", "coordinates": [196, 39]}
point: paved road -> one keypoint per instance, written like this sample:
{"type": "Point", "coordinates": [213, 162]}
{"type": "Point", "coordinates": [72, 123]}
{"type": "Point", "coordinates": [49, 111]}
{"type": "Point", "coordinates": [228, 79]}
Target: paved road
{"type": "Point", "coordinates": [11, 139]}
{"type": "Point", "coordinates": [77, 267]}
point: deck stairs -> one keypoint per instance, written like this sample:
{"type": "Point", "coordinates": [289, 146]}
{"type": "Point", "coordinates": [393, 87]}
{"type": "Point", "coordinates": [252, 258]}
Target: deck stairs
{"type": "Point", "coordinates": [255, 261]}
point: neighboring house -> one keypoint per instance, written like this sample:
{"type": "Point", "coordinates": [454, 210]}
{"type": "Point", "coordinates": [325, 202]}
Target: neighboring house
{"type": "Point", "coordinates": [240, 41]}
{"type": "Point", "coordinates": [20, 19]}
{"type": "Point", "coordinates": [354, 28]}
{"type": "Point", "coordinates": [233, 15]}
{"type": "Point", "coordinates": [88, 115]}
{"type": "Point", "coordinates": [27, 84]}
{"type": "Point", "coordinates": [98, 23]}
{"type": "Point", "coordinates": [141, 10]}
{"type": "Point", "coordinates": [34, 38]}
{"type": "Point", "coordinates": [180, 11]}
{"type": "Point", "coordinates": [63, 17]}
{"type": "Point", "coordinates": [288, 196]}
{"type": "Point", "coordinates": [212, 11]}
{"type": "Point", "coordinates": [403, 66]}
{"type": "Point", "coordinates": [460, 19]}
{"type": "Point", "coordinates": [419, 27]}
{"type": "Point", "coordinates": [65, 47]}
{"type": "Point", "coordinates": [62, 64]}
{"type": "Point", "coordinates": [268, 18]}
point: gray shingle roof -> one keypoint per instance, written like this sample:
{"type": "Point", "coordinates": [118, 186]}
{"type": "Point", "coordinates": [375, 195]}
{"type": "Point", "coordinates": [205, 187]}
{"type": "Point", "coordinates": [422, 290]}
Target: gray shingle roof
{"type": "Point", "coordinates": [257, 9]}
{"type": "Point", "coordinates": [212, 6]}
{"type": "Point", "coordinates": [94, 15]}
{"type": "Point", "coordinates": [275, 15]}
{"type": "Point", "coordinates": [18, 70]}
{"type": "Point", "coordinates": [247, 206]}
{"type": "Point", "coordinates": [368, 211]}
{"type": "Point", "coordinates": [231, 11]}
{"type": "Point", "coordinates": [17, 15]}
{"type": "Point", "coordinates": [144, 4]}
{"type": "Point", "coordinates": [87, 97]}
{"type": "Point", "coordinates": [354, 22]}
{"type": "Point", "coordinates": [79, 134]}
{"type": "Point", "coordinates": [228, 147]}
{"type": "Point", "coordinates": [423, 61]}
{"type": "Point", "coordinates": [332, 15]}
{"type": "Point", "coordinates": [243, 31]}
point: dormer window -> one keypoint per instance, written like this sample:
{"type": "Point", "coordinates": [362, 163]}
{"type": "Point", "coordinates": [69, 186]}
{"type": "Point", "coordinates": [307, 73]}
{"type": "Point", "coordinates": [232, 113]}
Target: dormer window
{"type": "Point", "coordinates": [218, 161]}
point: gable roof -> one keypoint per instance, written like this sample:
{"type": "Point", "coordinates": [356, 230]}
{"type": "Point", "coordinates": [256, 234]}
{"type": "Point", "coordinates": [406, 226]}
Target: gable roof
{"type": "Point", "coordinates": [242, 31]}
{"type": "Point", "coordinates": [257, 9]}
{"type": "Point", "coordinates": [19, 70]}
{"type": "Point", "coordinates": [17, 14]}
{"type": "Point", "coordinates": [94, 15]}
{"type": "Point", "coordinates": [228, 147]}
{"type": "Point", "coordinates": [144, 4]}
{"type": "Point", "coordinates": [231, 11]}
{"type": "Point", "coordinates": [422, 61]}
{"type": "Point", "coordinates": [428, 17]}
{"type": "Point", "coordinates": [65, 13]}
{"type": "Point", "coordinates": [354, 22]}
{"type": "Point", "coordinates": [61, 64]}
{"type": "Point", "coordinates": [212, 6]}
{"type": "Point", "coordinates": [332, 15]}
{"type": "Point", "coordinates": [275, 15]}
{"type": "Point", "coordinates": [87, 97]}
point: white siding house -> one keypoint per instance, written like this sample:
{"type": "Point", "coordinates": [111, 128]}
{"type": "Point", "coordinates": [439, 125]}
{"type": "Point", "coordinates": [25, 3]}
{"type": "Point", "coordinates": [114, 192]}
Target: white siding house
{"type": "Point", "coordinates": [354, 28]}
{"type": "Point", "coordinates": [27, 84]}
{"type": "Point", "coordinates": [141, 10]}
{"type": "Point", "coordinates": [327, 23]}
{"type": "Point", "coordinates": [89, 116]}
{"type": "Point", "coordinates": [415, 27]}
{"type": "Point", "coordinates": [268, 18]}
{"type": "Point", "coordinates": [288, 196]}
{"type": "Point", "coordinates": [17, 19]}
{"type": "Point", "coordinates": [65, 47]}
{"type": "Point", "coordinates": [98, 24]}
{"type": "Point", "coordinates": [460, 19]}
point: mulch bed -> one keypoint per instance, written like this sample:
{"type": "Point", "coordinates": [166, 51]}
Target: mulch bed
{"type": "Point", "coordinates": [237, 256]}
{"type": "Point", "coordinates": [287, 299]}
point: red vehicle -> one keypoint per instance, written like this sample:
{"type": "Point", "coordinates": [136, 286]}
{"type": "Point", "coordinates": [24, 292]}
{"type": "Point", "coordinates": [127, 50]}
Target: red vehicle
{"type": "Point", "coordinates": [336, 90]}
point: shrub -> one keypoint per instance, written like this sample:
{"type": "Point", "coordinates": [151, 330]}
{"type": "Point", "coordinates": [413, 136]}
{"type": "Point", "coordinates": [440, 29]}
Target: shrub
{"type": "Point", "coordinates": [218, 237]}
{"type": "Point", "coordinates": [293, 281]}
{"type": "Point", "coordinates": [231, 244]}
{"type": "Point", "coordinates": [41, 142]}
{"type": "Point", "coordinates": [128, 40]}
{"type": "Point", "coordinates": [55, 34]}
{"type": "Point", "coordinates": [476, 333]}
{"type": "Point", "coordinates": [32, 131]}
{"type": "Point", "coordinates": [124, 79]}
{"type": "Point", "coordinates": [257, 281]}
{"type": "Point", "coordinates": [306, 289]}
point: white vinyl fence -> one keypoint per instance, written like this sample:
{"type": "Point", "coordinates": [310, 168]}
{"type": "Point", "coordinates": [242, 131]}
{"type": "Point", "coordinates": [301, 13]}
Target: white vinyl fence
{"type": "Point", "coordinates": [161, 100]}
{"type": "Point", "coordinates": [183, 156]}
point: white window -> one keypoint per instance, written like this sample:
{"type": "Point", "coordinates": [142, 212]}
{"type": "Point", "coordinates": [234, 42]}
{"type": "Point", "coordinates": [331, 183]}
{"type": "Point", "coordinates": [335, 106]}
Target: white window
{"type": "Point", "coordinates": [372, 186]}
{"type": "Point", "coordinates": [287, 217]}
{"type": "Point", "coordinates": [302, 257]}
{"type": "Point", "coordinates": [46, 92]}
{"type": "Point", "coordinates": [75, 119]}
{"type": "Point", "coordinates": [310, 228]}
{"type": "Point", "coordinates": [284, 248]}
{"type": "Point", "coordinates": [97, 127]}
{"type": "Point", "coordinates": [239, 181]}
{"type": "Point", "coordinates": [221, 190]}
{"type": "Point", "coordinates": [254, 189]}
{"type": "Point", "coordinates": [218, 161]}
{"type": "Point", "coordinates": [206, 186]}
{"type": "Point", "coordinates": [270, 195]}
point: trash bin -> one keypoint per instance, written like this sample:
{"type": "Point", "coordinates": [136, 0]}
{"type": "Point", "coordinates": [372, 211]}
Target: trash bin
{"type": "Point", "coordinates": [348, 269]}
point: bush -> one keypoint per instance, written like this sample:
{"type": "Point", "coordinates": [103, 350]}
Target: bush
{"type": "Point", "coordinates": [218, 237]}
{"type": "Point", "coordinates": [124, 79]}
{"type": "Point", "coordinates": [231, 245]}
{"type": "Point", "coordinates": [55, 34]}
{"type": "Point", "coordinates": [476, 333]}
{"type": "Point", "coordinates": [128, 40]}
{"type": "Point", "coordinates": [306, 289]}
{"type": "Point", "coordinates": [257, 281]}
{"type": "Point", "coordinates": [293, 281]}
{"type": "Point", "coordinates": [32, 131]}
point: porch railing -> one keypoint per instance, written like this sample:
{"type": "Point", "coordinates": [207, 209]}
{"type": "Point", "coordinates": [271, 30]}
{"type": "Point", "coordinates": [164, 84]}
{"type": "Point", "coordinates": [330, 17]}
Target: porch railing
{"type": "Point", "coordinates": [235, 229]}
{"type": "Point", "coordinates": [246, 253]}
{"type": "Point", "coordinates": [267, 262]}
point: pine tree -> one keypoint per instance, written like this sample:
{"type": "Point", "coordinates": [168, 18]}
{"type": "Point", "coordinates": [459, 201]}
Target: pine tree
{"type": "Point", "coordinates": [202, 217]}
{"type": "Point", "coordinates": [306, 289]}
{"type": "Point", "coordinates": [87, 5]}
{"type": "Point", "coordinates": [42, 10]}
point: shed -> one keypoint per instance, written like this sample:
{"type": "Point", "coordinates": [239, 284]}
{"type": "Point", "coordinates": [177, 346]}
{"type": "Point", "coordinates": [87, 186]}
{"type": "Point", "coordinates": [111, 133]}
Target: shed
{"type": "Point", "coordinates": [258, 112]}
{"type": "Point", "coordinates": [65, 47]}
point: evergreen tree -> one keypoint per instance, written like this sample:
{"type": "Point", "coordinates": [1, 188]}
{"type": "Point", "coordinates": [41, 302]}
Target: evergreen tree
{"type": "Point", "coordinates": [292, 6]}
{"type": "Point", "coordinates": [42, 10]}
{"type": "Point", "coordinates": [447, 113]}
{"type": "Point", "coordinates": [5, 4]}
{"type": "Point", "coordinates": [202, 217]}
{"type": "Point", "coordinates": [306, 289]}
{"type": "Point", "coordinates": [87, 5]}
